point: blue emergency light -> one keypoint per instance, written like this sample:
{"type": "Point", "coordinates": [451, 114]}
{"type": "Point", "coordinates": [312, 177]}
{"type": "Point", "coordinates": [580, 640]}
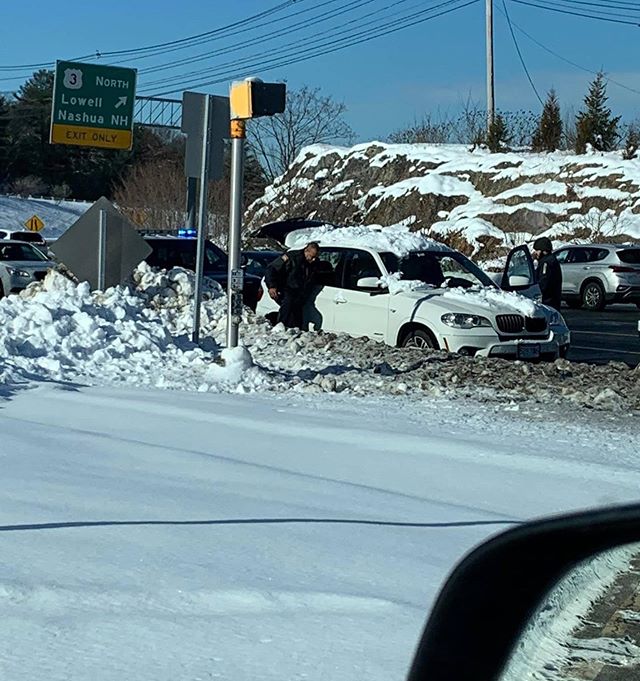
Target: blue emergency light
{"type": "Point", "coordinates": [186, 232]}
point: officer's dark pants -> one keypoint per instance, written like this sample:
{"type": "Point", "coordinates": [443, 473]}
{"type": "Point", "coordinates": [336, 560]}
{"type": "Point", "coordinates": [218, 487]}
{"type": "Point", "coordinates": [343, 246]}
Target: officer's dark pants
{"type": "Point", "coordinates": [291, 307]}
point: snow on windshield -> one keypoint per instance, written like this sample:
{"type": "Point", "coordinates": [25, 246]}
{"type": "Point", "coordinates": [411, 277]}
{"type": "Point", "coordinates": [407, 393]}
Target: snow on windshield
{"type": "Point", "coordinates": [397, 239]}
{"type": "Point", "coordinates": [396, 284]}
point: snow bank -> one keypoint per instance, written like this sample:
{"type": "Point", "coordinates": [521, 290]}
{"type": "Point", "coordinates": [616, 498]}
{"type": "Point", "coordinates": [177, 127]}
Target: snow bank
{"type": "Point", "coordinates": [548, 644]}
{"type": "Point", "coordinates": [58, 330]}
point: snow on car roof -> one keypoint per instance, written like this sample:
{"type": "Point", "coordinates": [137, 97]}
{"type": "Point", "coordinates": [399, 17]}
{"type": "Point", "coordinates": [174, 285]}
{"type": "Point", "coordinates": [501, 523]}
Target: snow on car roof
{"type": "Point", "coordinates": [398, 239]}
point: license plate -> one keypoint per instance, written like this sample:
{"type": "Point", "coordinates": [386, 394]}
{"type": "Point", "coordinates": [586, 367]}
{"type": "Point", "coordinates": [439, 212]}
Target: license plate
{"type": "Point", "coordinates": [528, 351]}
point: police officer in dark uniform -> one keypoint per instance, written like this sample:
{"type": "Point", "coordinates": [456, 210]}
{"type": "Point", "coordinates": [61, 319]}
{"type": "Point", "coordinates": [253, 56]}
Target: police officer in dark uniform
{"type": "Point", "coordinates": [548, 273]}
{"type": "Point", "coordinates": [290, 279]}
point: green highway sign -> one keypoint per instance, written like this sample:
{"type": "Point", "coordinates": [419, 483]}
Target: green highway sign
{"type": "Point", "coordinates": [93, 105]}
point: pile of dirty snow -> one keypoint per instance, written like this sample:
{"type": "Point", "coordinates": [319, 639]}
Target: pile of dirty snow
{"type": "Point", "coordinates": [140, 334]}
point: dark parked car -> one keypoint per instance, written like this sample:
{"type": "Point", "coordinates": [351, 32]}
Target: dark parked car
{"type": "Point", "coordinates": [18, 235]}
{"type": "Point", "coordinates": [171, 251]}
{"type": "Point", "coordinates": [256, 262]}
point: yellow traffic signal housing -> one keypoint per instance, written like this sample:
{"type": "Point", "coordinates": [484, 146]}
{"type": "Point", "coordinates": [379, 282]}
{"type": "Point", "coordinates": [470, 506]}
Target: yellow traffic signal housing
{"type": "Point", "coordinates": [253, 98]}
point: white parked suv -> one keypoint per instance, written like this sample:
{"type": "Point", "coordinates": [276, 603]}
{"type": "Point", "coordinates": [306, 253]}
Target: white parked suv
{"type": "Point", "coordinates": [405, 290]}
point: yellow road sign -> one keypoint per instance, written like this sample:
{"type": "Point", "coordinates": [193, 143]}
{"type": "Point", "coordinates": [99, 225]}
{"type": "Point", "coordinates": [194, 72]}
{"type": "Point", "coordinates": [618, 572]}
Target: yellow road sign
{"type": "Point", "coordinates": [34, 224]}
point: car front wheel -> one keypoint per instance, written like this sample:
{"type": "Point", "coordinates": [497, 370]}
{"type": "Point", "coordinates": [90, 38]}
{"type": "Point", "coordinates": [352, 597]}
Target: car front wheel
{"type": "Point", "coordinates": [419, 338]}
{"type": "Point", "coordinates": [593, 296]}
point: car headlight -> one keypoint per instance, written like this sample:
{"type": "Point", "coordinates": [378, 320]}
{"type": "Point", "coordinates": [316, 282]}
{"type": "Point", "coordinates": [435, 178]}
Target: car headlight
{"type": "Point", "coordinates": [555, 319]}
{"type": "Point", "coordinates": [464, 321]}
{"type": "Point", "coordinates": [15, 272]}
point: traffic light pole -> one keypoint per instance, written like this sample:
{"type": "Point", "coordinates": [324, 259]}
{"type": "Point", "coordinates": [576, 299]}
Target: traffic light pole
{"type": "Point", "coordinates": [235, 279]}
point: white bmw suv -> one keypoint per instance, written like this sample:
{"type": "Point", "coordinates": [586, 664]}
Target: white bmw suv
{"type": "Point", "coordinates": [405, 290]}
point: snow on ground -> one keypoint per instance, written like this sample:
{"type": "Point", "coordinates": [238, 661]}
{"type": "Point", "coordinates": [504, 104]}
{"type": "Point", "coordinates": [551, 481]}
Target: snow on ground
{"type": "Point", "coordinates": [188, 533]}
{"type": "Point", "coordinates": [57, 216]}
{"type": "Point", "coordinates": [169, 535]}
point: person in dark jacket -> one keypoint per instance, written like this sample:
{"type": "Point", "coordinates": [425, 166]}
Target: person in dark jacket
{"type": "Point", "coordinates": [290, 279]}
{"type": "Point", "coordinates": [548, 273]}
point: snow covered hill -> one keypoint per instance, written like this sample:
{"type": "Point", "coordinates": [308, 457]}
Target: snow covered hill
{"type": "Point", "coordinates": [57, 216]}
{"type": "Point", "coordinates": [476, 201]}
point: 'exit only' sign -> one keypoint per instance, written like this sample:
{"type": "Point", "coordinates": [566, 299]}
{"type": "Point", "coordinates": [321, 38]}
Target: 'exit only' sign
{"type": "Point", "coordinates": [93, 105]}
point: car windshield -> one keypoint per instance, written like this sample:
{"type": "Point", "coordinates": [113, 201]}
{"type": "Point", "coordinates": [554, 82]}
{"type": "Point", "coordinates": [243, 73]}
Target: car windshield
{"type": "Point", "coordinates": [21, 252]}
{"type": "Point", "coordinates": [436, 268]}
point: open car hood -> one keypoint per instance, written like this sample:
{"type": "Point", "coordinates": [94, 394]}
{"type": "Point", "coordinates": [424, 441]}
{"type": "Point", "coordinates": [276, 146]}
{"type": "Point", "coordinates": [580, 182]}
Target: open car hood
{"type": "Point", "coordinates": [278, 230]}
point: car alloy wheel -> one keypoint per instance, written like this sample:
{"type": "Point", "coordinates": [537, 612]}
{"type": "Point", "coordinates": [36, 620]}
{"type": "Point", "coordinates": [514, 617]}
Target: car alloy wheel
{"type": "Point", "coordinates": [419, 339]}
{"type": "Point", "coordinates": [593, 296]}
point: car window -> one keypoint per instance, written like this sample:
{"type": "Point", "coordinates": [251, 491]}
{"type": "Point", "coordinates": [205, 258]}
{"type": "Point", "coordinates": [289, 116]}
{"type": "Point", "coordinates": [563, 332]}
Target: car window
{"type": "Point", "coordinates": [329, 267]}
{"type": "Point", "coordinates": [561, 256]}
{"type": "Point", "coordinates": [3, 235]}
{"type": "Point", "coordinates": [577, 255]}
{"type": "Point", "coordinates": [21, 252]}
{"type": "Point", "coordinates": [436, 267]}
{"type": "Point", "coordinates": [630, 255]}
{"type": "Point", "coordinates": [359, 264]}
{"type": "Point", "coordinates": [30, 237]}
{"type": "Point", "coordinates": [596, 254]}
{"type": "Point", "coordinates": [214, 257]}
{"type": "Point", "coordinates": [520, 265]}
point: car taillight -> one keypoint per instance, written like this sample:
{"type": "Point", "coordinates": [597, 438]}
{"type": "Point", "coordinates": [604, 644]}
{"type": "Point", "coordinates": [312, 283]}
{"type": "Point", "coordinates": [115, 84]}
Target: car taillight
{"type": "Point", "coordinates": [260, 294]}
{"type": "Point", "coordinates": [620, 269]}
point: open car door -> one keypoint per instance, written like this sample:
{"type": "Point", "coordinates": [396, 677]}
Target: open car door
{"type": "Point", "coordinates": [520, 274]}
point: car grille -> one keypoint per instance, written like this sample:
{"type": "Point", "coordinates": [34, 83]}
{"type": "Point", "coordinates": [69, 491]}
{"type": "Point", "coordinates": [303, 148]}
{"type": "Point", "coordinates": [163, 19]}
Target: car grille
{"type": "Point", "coordinates": [517, 323]}
{"type": "Point", "coordinates": [39, 276]}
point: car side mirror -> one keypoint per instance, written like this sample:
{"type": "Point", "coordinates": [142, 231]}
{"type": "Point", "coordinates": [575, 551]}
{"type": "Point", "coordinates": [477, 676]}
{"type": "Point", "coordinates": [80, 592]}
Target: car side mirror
{"type": "Point", "coordinates": [244, 261]}
{"type": "Point", "coordinates": [518, 281]}
{"type": "Point", "coordinates": [518, 590]}
{"type": "Point", "coordinates": [368, 282]}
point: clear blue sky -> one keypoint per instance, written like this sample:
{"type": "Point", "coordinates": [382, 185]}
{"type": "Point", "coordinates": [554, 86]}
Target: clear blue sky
{"type": "Point", "coordinates": [385, 83]}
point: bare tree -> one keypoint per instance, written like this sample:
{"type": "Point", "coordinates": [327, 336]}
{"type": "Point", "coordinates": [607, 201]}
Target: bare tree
{"type": "Point", "coordinates": [309, 118]}
{"type": "Point", "coordinates": [153, 195]}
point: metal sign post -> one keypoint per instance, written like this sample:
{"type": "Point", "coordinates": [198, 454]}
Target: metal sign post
{"type": "Point", "coordinates": [202, 218]}
{"type": "Point", "coordinates": [102, 250]}
{"type": "Point", "coordinates": [235, 274]}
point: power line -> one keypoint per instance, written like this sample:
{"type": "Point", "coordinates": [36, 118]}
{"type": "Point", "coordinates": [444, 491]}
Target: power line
{"type": "Point", "coordinates": [630, 7]}
{"type": "Point", "coordinates": [578, 14]}
{"type": "Point", "coordinates": [243, 30]}
{"type": "Point", "coordinates": [291, 45]}
{"type": "Point", "coordinates": [262, 66]}
{"type": "Point", "coordinates": [288, 50]}
{"type": "Point", "coordinates": [569, 61]}
{"type": "Point", "coordinates": [515, 42]}
{"type": "Point", "coordinates": [243, 44]}
{"type": "Point", "coordinates": [602, 9]}
{"type": "Point", "coordinates": [249, 19]}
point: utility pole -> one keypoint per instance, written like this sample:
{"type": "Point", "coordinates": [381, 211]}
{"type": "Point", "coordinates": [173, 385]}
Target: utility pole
{"type": "Point", "coordinates": [491, 97]}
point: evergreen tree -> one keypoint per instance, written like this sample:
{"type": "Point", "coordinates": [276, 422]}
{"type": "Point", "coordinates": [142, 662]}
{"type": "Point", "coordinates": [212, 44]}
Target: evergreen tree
{"type": "Point", "coordinates": [548, 134]}
{"type": "Point", "coordinates": [498, 135]}
{"type": "Point", "coordinates": [632, 143]}
{"type": "Point", "coordinates": [29, 121]}
{"type": "Point", "coordinates": [595, 125]}
{"type": "Point", "coordinates": [4, 139]}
